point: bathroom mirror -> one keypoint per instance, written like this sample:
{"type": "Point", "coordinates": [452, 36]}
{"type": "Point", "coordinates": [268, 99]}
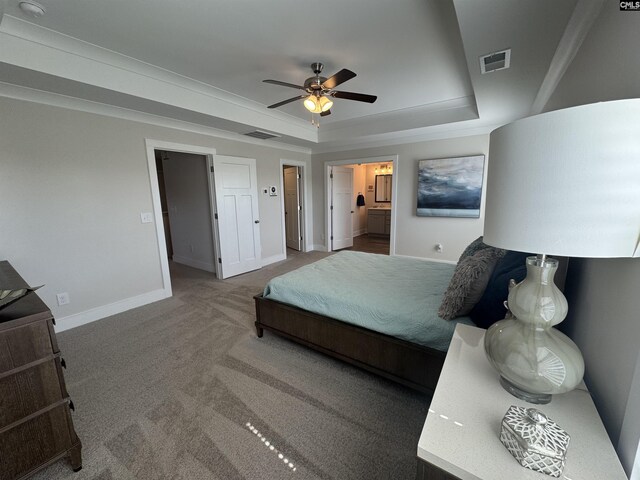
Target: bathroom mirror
{"type": "Point", "coordinates": [383, 188]}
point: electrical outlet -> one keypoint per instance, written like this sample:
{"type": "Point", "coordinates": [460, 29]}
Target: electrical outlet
{"type": "Point", "coordinates": [439, 248]}
{"type": "Point", "coordinates": [146, 217]}
{"type": "Point", "coordinates": [63, 298]}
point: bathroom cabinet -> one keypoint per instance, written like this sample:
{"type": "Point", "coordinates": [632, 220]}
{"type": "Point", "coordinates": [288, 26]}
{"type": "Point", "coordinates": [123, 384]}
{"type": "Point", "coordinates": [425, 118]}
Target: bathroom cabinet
{"type": "Point", "coordinates": [379, 221]}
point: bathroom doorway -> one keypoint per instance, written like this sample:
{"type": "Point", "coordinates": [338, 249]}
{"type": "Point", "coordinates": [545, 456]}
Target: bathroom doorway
{"type": "Point", "coordinates": [371, 206]}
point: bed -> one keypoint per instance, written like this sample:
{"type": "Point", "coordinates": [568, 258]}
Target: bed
{"type": "Point", "coordinates": [374, 311]}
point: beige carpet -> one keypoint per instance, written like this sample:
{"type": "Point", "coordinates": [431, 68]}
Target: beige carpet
{"type": "Point", "coordinates": [183, 389]}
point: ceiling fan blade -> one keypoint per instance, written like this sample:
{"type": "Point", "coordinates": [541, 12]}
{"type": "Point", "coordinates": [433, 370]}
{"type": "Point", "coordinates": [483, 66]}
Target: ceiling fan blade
{"type": "Point", "coordinates": [324, 114]}
{"type": "Point", "coordinates": [358, 97]}
{"type": "Point", "coordinates": [340, 77]}
{"type": "Point", "coordinates": [284, 102]}
{"type": "Point", "coordinates": [284, 84]}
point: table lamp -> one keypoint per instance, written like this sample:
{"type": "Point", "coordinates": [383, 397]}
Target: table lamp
{"type": "Point", "coordinates": [563, 183]}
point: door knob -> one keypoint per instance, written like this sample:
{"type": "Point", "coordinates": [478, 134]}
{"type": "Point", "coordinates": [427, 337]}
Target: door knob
{"type": "Point", "coordinates": [256, 221]}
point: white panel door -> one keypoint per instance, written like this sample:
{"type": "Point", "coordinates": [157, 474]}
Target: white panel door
{"type": "Point", "coordinates": [292, 208]}
{"type": "Point", "coordinates": [238, 229]}
{"type": "Point", "coordinates": [341, 212]}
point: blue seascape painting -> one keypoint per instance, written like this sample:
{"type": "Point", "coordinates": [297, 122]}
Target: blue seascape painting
{"type": "Point", "coordinates": [450, 187]}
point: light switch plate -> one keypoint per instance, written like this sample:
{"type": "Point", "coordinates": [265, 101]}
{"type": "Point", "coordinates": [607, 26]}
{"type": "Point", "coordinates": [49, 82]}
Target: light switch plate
{"type": "Point", "coordinates": [146, 217]}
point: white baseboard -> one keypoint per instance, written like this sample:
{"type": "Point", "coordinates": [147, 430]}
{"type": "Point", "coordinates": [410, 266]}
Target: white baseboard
{"type": "Point", "coordinates": [88, 316]}
{"type": "Point", "coordinates": [273, 259]}
{"type": "Point", "coordinates": [427, 259]}
{"type": "Point", "coordinates": [357, 233]}
{"type": "Point", "coordinates": [319, 247]}
{"type": "Point", "coordinates": [190, 262]}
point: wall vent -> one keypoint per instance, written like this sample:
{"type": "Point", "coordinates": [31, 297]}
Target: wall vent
{"type": "Point", "coordinates": [495, 61]}
{"type": "Point", "coordinates": [261, 135]}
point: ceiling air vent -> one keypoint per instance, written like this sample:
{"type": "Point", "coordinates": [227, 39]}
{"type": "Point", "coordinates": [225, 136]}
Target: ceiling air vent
{"type": "Point", "coordinates": [261, 135]}
{"type": "Point", "coordinates": [495, 61]}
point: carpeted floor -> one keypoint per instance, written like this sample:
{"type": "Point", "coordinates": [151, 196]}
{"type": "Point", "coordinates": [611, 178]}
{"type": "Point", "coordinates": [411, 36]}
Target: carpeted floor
{"type": "Point", "coordinates": [183, 389]}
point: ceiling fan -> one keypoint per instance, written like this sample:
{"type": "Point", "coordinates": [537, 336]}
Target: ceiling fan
{"type": "Point", "coordinates": [319, 89]}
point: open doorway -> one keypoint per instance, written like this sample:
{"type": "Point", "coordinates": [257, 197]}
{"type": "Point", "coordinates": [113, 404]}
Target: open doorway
{"type": "Point", "coordinates": [294, 190]}
{"type": "Point", "coordinates": [291, 196]}
{"type": "Point", "coordinates": [360, 204]}
{"type": "Point", "coordinates": [186, 209]}
{"type": "Point", "coordinates": [233, 215]}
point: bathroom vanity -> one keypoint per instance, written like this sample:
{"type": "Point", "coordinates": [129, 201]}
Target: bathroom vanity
{"type": "Point", "coordinates": [379, 221]}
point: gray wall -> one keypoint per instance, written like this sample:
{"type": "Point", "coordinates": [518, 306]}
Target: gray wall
{"type": "Point", "coordinates": [604, 305]}
{"type": "Point", "coordinates": [72, 186]}
{"type": "Point", "coordinates": [416, 236]}
{"type": "Point", "coordinates": [187, 187]}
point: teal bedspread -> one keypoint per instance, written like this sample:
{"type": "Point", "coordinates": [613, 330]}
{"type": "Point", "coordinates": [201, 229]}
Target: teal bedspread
{"type": "Point", "coordinates": [391, 295]}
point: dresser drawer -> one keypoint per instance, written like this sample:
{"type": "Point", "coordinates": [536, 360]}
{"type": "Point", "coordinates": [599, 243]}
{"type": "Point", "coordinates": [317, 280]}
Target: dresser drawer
{"type": "Point", "coordinates": [25, 344]}
{"type": "Point", "coordinates": [36, 428]}
{"type": "Point", "coordinates": [27, 391]}
{"type": "Point", "coordinates": [35, 442]}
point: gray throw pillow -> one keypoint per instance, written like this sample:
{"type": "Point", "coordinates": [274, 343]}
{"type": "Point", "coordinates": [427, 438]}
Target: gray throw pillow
{"type": "Point", "coordinates": [472, 248]}
{"type": "Point", "coordinates": [469, 282]}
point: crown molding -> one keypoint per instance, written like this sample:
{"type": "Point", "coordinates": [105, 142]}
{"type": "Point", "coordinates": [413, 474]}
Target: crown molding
{"type": "Point", "coordinates": [29, 46]}
{"type": "Point", "coordinates": [439, 132]}
{"type": "Point", "coordinates": [33, 47]}
{"type": "Point", "coordinates": [448, 111]}
{"type": "Point", "coordinates": [72, 103]}
{"type": "Point", "coordinates": [395, 138]}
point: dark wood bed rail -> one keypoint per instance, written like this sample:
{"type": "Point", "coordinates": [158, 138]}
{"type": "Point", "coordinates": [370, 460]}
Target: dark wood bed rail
{"type": "Point", "coordinates": [410, 364]}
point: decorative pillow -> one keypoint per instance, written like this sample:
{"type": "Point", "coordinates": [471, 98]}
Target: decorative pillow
{"type": "Point", "coordinates": [468, 283]}
{"type": "Point", "coordinates": [472, 248]}
{"type": "Point", "coordinates": [490, 308]}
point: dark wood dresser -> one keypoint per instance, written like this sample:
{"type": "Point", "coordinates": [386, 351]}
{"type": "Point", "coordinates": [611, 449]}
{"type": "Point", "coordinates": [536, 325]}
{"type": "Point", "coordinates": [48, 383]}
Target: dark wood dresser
{"type": "Point", "coordinates": [35, 419]}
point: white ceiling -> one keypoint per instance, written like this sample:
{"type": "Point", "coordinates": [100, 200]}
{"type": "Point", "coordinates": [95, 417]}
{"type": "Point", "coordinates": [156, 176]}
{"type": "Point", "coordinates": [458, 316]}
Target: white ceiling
{"type": "Point", "coordinates": [420, 57]}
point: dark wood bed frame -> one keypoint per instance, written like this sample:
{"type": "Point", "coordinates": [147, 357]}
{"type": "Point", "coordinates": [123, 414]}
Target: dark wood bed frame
{"type": "Point", "coordinates": [410, 364]}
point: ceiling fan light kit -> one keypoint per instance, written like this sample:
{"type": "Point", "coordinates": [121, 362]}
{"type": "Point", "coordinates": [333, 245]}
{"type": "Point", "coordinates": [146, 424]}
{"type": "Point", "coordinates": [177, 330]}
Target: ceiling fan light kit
{"type": "Point", "coordinates": [319, 89]}
{"type": "Point", "coordinates": [317, 104]}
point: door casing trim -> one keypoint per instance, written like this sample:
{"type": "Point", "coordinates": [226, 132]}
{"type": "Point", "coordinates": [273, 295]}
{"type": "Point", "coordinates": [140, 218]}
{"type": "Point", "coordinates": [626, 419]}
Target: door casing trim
{"type": "Point", "coordinates": [394, 194]}
{"type": "Point", "coordinates": [306, 200]}
{"type": "Point", "coordinates": [151, 146]}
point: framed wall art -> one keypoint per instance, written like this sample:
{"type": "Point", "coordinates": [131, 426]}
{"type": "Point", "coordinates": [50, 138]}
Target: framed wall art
{"type": "Point", "coordinates": [450, 187]}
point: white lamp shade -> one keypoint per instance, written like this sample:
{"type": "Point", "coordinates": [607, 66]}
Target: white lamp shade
{"type": "Point", "coordinates": [567, 182]}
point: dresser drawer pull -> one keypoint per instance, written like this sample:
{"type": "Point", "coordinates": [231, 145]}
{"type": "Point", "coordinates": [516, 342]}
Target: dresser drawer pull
{"type": "Point", "coordinates": [63, 363]}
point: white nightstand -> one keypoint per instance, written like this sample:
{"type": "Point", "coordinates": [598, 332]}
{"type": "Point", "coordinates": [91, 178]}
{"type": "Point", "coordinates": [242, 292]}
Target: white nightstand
{"type": "Point", "coordinates": [460, 435]}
